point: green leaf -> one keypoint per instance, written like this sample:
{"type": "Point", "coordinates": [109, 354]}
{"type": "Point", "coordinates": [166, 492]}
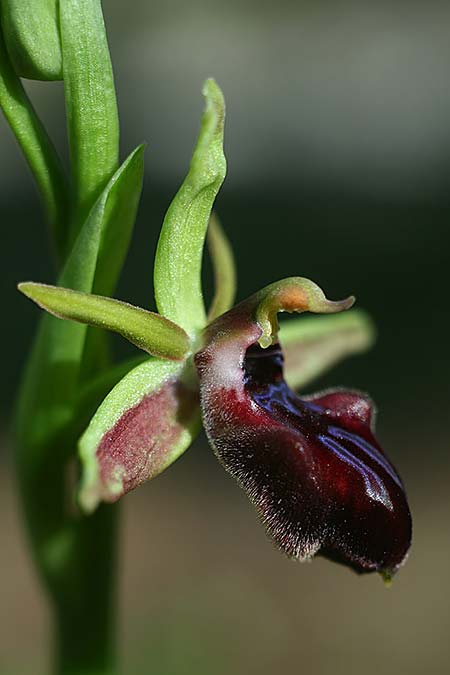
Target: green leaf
{"type": "Point", "coordinates": [146, 422]}
{"type": "Point", "coordinates": [32, 37]}
{"type": "Point", "coordinates": [47, 397]}
{"type": "Point", "coordinates": [37, 148]}
{"type": "Point", "coordinates": [148, 331]}
{"type": "Point", "coordinates": [90, 102]}
{"type": "Point", "coordinates": [311, 346]}
{"type": "Point", "coordinates": [224, 269]}
{"type": "Point", "coordinates": [178, 262]}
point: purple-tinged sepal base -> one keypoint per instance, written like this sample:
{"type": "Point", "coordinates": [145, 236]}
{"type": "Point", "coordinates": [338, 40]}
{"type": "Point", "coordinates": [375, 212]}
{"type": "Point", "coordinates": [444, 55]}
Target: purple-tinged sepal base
{"type": "Point", "coordinates": [144, 424]}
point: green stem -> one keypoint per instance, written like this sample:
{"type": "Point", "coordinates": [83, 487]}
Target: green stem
{"type": "Point", "coordinates": [85, 606]}
{"type": "Point", "coordinates": [37, 148]}
{"type": "Point", "coordinates": [75, 556]}
{"type": "Point", "coordinates": [85, 620]}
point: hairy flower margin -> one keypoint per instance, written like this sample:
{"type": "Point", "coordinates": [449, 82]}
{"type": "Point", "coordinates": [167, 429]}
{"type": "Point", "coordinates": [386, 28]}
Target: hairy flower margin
{"type": "Point", "coordinates": [311, 465]}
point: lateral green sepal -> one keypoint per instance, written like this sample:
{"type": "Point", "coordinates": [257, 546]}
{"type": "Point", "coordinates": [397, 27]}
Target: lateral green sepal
{"type": "Point", "coordinates": [149, 331]}
{"type": "Point", "coordinates": [311, 346]}
{"type": "Point", "coordinates": [144, 424]}
{"type": "Point", "coordinates": [178, 261]}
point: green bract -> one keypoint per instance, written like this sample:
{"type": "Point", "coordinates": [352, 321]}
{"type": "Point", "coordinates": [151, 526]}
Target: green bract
{"type": "Point", "coordinates": [92, 118]}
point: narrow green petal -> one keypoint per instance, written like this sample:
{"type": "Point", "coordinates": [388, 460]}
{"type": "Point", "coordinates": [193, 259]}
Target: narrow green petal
{"type": "Point", "coordinates": [146, 422]}
{"type": "Point", "coordinates": [178, 262]}
{"type": "Point", "coordinates": [37, 148]}
{"type": "Point", "coordinates": [148, 331]}
{"type": "Point", "coordinates": [91, 105]}
{"type": "Point", "coordinates": [225, 277]}
{"type": "Point", "coordinates": [313, 345]}
{"type": "Point", "coordinates": [32, 37]}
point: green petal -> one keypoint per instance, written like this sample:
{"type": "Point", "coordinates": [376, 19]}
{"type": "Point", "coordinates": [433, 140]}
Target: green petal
{"type": "Point", "coordinates": [178, 262]}
{"type": "Point", "coordinates": [32, 37]}
{"type": "Point", "coordinates": [224, 269]}
{"type": "Point", "coordinates": [148, 331]}
{"type": "Point", "coordinates": [313, 345]}
{"type": "Point", "coordinates": [146, 422]}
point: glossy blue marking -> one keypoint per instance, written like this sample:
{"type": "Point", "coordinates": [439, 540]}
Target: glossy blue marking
{"type": "Point", "coordinates": [374, 485]}
{"type": "Point", "coordinates": [366, 447]}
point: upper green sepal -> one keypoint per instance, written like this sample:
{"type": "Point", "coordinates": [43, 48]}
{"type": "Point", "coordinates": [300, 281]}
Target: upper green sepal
{"type": "Point", "coordinates": [148, 331]}
{"type": "Point", "coordinates": [178, 261]}
{"type": "Point", "coordinates": [32, 37]}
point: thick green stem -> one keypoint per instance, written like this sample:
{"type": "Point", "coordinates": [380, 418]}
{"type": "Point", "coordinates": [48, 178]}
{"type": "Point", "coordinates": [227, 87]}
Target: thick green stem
{"type": "Point", "coordinates": [76, 557]}
{"type": "Point", "coordinates": [85, 620]}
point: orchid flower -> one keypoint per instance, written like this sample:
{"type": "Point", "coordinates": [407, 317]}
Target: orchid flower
{"type": "Point", "coordinates": [311, 465]}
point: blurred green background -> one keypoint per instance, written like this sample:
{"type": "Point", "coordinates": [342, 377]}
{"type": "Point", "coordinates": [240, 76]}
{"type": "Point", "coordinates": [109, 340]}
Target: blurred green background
{"type": "Point", "coordinates": [338, 146]}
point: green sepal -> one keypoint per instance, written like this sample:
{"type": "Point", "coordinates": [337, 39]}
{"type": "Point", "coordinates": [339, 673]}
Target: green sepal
{"type": "Point", "coordinates": [178, 261]}
{"type": "Point", "coordinates": [148, 331]}
{"type": "Point", "coordinates": [144, 424]}
{"type": "Point", "coordinates": [91, 106]}
{"type": "Point", "coordinates": [311, 346]}
{"type": "Point", "coordinates": [32, 37]}
{"type": "Point", "coordinates": [224, 268]}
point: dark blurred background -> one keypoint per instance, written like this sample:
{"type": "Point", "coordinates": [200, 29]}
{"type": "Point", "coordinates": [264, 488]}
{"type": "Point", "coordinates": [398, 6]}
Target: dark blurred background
{"type": "Point", "coordinates": [338, 146]}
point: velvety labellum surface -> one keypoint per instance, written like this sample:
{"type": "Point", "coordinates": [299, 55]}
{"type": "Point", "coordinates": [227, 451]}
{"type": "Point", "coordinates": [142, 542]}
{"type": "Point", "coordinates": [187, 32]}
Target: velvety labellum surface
{"type": "Point", "coordinates": [312, 466]}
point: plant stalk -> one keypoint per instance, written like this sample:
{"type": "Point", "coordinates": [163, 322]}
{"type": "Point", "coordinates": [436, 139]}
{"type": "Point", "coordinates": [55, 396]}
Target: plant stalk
{"type": "Point", "coordinates": [85, 621]}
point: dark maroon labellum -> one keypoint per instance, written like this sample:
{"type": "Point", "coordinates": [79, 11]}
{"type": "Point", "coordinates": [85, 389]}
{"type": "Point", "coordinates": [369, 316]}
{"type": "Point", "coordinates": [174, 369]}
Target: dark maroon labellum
{"type": "Point", "coordinates": [311, 466]}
